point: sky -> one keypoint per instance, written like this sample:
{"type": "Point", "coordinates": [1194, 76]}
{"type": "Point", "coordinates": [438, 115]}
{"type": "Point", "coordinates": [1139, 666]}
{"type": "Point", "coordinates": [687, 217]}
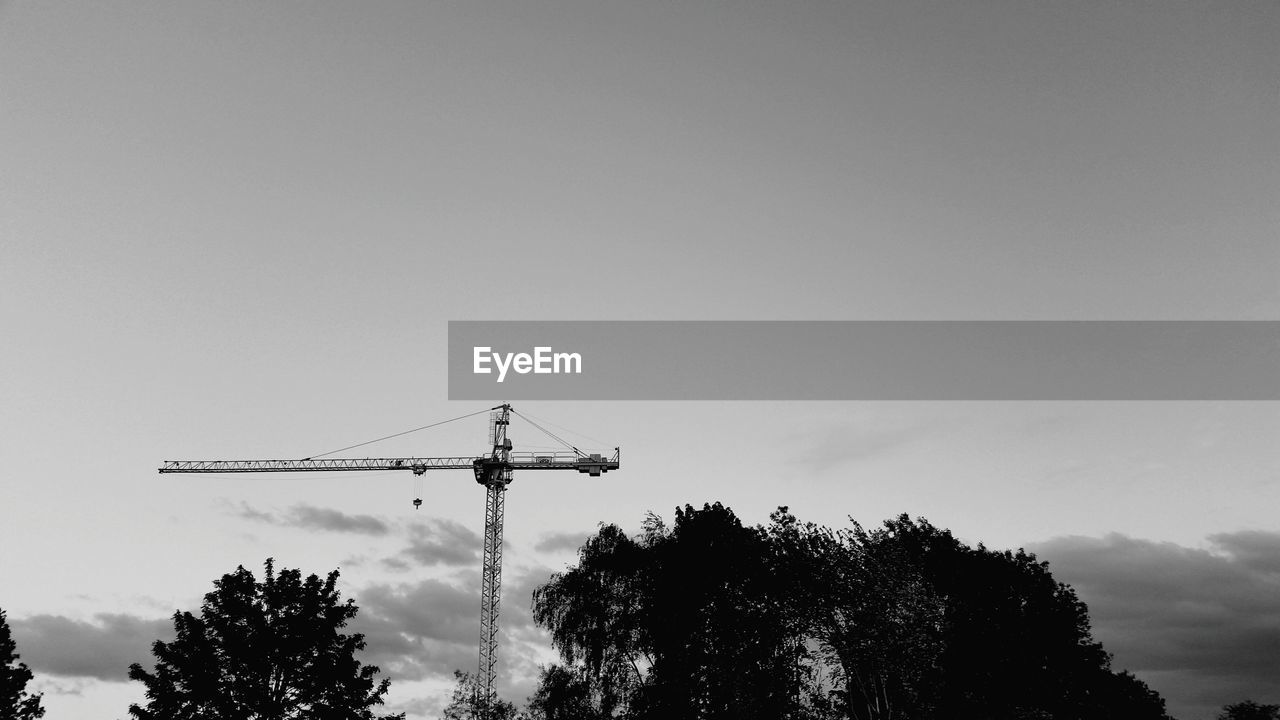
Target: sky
{"type": "Point", "coordinates": [239, 230]}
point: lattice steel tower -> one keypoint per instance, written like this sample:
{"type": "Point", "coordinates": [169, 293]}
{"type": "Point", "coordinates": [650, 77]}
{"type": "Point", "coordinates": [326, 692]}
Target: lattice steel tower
{"type": "Point", "coordinates": [495, 475]}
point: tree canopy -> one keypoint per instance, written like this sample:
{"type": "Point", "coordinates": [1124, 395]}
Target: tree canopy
{"type": "Point", "coordinates": [15, 701]}
{"type": "Point", "coordinates": [712, 619]}
{"type": "Point", "coordinates": [1249, 710]}
{"type": "Point", "coordinates": [268, 650]}
{"type": "Point", "coordinates": [465, 704]}
{"type": "Point", "coordinates": [678, 623]}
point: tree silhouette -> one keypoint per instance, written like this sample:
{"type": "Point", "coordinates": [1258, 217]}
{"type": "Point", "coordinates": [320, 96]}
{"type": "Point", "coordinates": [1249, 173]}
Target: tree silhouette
{"type": "Point", "coordinates": [565, 693]}
{"type": "Point", "coordinates": [679, 623]}
{"type": "Point", "coordinates": [1015, 642]}
{"type": "Point", "coordinates": [15, 702]}
{"type": "Point", "coordinates": [722, 646]}
{"type": "Point", "coordinates": [867, 604]}
{"type": "Point", "coordinates": [1249, 710]}
{"type": "Point", "coordinates": [271, 650]}
{"type": "Point", "coordinates": [711, 619]}
{"type": "Point", "coordinates": [595, 616]}
{"type": "Point", "coordinates": [465, 703]}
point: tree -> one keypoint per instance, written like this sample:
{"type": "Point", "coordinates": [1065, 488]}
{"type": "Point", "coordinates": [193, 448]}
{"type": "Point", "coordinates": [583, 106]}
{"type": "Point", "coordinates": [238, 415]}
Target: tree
{"type": "Point", "coordinates": [564, 693]}
{"type": "Point", "coordinates": [679, 623]}
{"type": "Point", "coordinates": [1015, 642]}
{"type": "Point", "coordinates": [269, 650]}
{"type": "Point", "coordinates": [866, 603]}
{"type": "Point", "coordinates": [711, 619]}
{"type": "Point", "coordinates": [722, 640]}
{"type": "Point", "coordinates": [465, 702]}
{"type": "Point", "coordinates": [1249, 710]}
{"type": "Point", "coordinates": [595, 615]}
{"type": "Point", "coordinates": [15, 702]}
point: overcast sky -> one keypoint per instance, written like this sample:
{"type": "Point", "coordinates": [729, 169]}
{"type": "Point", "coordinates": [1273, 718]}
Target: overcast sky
{"type": "Point", "coordinates": [238, 230]}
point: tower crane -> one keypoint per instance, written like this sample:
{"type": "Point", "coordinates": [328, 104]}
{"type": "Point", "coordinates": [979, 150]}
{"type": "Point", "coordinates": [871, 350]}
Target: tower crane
{"type": "Point", "coordinates": [494, 471]}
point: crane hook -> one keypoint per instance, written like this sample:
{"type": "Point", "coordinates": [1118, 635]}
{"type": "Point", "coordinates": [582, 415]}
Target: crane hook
{"type": "Point", "coordinates": [417, 503]}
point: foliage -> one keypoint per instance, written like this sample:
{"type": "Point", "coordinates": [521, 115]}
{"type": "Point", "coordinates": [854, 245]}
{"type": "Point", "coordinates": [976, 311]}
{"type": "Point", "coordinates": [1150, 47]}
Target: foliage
{"type": "Point", "coordinates": [594, 614]}
{"type": "Point", "coordinates": [1249, 710]}
{"type": "Point", "coordinates": [875, 616]}
{"type": "Point", "coordinates": [678, 623]}
{"type": "Point", "coordinates": [465, 702]}
{"type": "Point", "coordinates": [721, 638]}
{"type": "Point", "coordinates": [271, 650]}
{"type": "Point", "coordinates": [711, 619]}
{"type": "Point", "coordinates": [1005, 640]}
{"type": "Point", "coordinates": [15, 701]}
{"type": "Point", "coordinates": [564, 693]}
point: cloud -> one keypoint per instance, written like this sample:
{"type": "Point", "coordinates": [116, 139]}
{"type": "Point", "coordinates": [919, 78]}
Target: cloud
{"type": "Point", "coordinates": [438, 541]}
{"type": "Point", "coordinates": [517, 594]}
{"type": "Point", "coordinates": [418, 631]}
{"type": "Point", "coordinates": [309, 517]}
{"type": "Point", "coordinates": [424, 707]}
{"type": "Point", "coordinates": [314, 518]}
{"type": "Point", "coordinates": [60, 646]}
{"type": "Point", "coordinates": [247, 512]}
{"type": "Point", "coordinates": [412, 631]}
{"type": "Point", "coordinates": [525, 646]}
{"type": "Point", "coordinates": [1201, 626]}
{"type": "Point", "coordinates": [61, 686]}
{"type": "Point", "coordinates": [428, 629]}
{"type": "Point", "coordinates": [396, 564]}
{"type": "Point", "coordinates": [1253, 548]}
{"type": "Point", "coordinates": [562, 542]}
{"type": "Point", "coordinates": [858, 437]}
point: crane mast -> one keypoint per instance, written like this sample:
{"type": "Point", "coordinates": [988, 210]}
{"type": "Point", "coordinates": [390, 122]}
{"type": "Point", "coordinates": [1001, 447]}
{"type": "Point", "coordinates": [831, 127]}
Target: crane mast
{"type": "Point", "coordinates": [494, 471]}
{"type": "Point", "coordinates": [495, 478]}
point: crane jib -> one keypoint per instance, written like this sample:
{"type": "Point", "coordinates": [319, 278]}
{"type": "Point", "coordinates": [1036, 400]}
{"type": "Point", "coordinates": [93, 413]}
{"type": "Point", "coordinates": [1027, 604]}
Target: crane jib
{"type": "Point", "coordinates": [593, 464]}
{"type": "Point", "coordinates": [334, 465]}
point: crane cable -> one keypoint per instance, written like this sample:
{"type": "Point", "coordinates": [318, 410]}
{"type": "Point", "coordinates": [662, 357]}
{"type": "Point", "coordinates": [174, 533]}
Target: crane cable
{"type": "Point", "coordinates": [406, 432]}
{"type": "Point", "coordinates": [550, 434]}
{"type": "Point", "coordinates": [597, 441]}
